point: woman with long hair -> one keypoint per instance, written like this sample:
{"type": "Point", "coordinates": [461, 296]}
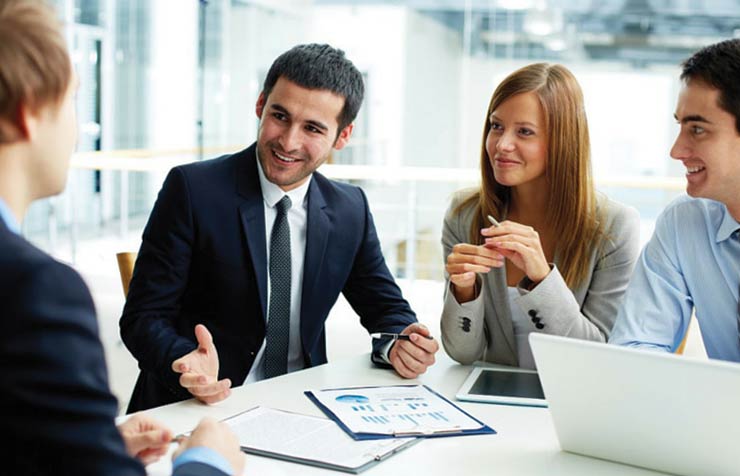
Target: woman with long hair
{"type": "Point", "coordinates": [535, 248]}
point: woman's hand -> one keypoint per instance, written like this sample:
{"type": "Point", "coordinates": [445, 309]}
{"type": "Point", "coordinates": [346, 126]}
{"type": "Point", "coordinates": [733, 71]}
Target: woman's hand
{"type": "Point", "coordinates": [464, 262]}
{"type": "Point", "coordinates": [521, 245]}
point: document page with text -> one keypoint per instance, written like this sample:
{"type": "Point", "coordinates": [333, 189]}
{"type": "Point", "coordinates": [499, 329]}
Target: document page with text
{"type": "Point", "coordinates": [308, 439]}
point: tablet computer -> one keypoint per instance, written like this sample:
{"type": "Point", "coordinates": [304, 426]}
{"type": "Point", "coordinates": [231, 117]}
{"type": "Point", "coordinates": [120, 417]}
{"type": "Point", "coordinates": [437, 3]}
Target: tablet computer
{"type": "Point", "coordinates": [507, 385]}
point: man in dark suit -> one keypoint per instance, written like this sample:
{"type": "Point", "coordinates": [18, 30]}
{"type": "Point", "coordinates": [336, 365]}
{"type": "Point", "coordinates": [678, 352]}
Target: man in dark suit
{"type": "Point", "coordinates": [245, 255]}
{"type": "Point", "coordinates": [57, 412]}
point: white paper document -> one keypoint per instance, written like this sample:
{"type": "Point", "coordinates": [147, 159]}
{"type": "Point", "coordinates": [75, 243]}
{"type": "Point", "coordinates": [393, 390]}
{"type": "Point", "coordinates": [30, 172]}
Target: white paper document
{"type": "Point", "coordinates": [395, 410]}
{"type": "Point", "coordinates": [308, 439]}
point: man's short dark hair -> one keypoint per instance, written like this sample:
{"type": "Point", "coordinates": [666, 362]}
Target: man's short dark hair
{"type": "Point", "coordinates": [718, 65]}
{"type": "Point", "coordinates": [316, 66]}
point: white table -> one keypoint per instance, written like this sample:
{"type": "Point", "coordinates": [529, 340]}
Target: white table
{"type": "Point", "coordinates": [526, 443]}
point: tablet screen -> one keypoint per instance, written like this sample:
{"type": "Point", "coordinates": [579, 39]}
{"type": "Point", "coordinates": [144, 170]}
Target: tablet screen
{"type": "Point", "coordinates": [507, 384]}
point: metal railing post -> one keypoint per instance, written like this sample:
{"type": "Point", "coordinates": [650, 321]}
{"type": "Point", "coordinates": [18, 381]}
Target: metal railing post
{"type": "Point", "coordinates": [411, 232]}
{"type": "Point", "coordinates": [124, 204]}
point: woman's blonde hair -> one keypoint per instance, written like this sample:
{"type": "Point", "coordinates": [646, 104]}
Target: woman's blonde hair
{"type": "Point", "coordinates": [572, 214]}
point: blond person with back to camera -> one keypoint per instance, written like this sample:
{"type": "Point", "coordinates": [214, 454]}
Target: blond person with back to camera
{"type": "Point", "coordinates": [554, 256]}
{"type": "Point", "coordinates": [57, 409]}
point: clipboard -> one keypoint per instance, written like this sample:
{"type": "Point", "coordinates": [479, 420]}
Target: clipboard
{"type": "Point", "coordinates": [385, 407]}
{"type": "Point", "coordinates": [309, 440]}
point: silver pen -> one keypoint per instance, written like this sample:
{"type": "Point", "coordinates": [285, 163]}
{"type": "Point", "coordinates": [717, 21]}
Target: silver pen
{"type": "Point", "coordinates": [380, 335]}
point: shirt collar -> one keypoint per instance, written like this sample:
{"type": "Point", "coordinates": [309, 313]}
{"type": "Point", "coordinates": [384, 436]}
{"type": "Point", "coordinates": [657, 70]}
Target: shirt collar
{"type": "Point", "coordinates": [728, 226]}
{"type": "Point", "coordinates": [272, 193]}
{"type": "Point", "coordinates": [7, 216]}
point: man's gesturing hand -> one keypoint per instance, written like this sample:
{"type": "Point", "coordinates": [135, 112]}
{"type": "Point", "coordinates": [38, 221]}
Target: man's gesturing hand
{"type": "Point", "coordinates": [199, 370]}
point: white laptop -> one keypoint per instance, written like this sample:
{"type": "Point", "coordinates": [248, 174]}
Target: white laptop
{"type": "Point", "coordinates": [644, 408]}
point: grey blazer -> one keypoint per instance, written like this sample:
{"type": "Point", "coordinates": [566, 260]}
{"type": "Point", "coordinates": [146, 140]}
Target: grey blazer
{"type": "Point", "coordinates": [482, 329]}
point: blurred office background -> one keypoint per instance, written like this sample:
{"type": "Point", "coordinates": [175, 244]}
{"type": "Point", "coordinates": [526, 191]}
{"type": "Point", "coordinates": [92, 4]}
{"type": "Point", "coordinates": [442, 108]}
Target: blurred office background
{"type": "Point", "coordinates": [164, 82]}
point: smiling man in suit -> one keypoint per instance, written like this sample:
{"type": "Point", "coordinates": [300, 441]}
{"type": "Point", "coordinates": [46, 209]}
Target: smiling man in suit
{"type": "Point", "coordinates": [245, 255]}
{"type": "Point", "coordinates": [57, 412]}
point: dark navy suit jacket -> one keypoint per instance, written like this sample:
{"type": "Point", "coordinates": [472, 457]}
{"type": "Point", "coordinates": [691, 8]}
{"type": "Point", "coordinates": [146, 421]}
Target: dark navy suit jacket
{"type": "Point", "coordinates": [56, 410]}
{"type": "Point", "coordinates": [203, 260]}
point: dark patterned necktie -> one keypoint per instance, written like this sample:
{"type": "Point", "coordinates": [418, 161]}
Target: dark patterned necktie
{"type": "Point", "coordinates": [278, 321]}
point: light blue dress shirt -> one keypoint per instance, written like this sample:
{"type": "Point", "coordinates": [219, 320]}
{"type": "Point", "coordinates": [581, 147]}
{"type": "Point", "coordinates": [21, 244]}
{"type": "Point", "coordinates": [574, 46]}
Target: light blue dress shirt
{"type": "Point", "coordinates": [692, 262]}
{"type": "Point", "coordinates": [205, 455]}
{"type": "Point", "coordinates": [7, 216]}
{"type": "Point", "coordinates": [199, 454]}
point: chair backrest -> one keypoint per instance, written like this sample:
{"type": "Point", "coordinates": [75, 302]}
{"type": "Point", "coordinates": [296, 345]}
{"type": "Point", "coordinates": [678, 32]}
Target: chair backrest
{"type": "Point", "coordinates": [692, 344]}
{"type": "Point", "coordinates": [126, 262]}
{"type": "Point", "coordinates": [682, 346]}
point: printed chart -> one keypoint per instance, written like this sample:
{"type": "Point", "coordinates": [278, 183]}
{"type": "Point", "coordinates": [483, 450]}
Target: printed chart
{"type": "Point", "coordinates": [396, 410]}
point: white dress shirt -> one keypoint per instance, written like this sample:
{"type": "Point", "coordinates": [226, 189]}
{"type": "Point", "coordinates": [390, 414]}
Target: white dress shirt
{"type": "Point", "coordinates": [297, 219]}
{"type": "Point", "coordinates": [522, 328]}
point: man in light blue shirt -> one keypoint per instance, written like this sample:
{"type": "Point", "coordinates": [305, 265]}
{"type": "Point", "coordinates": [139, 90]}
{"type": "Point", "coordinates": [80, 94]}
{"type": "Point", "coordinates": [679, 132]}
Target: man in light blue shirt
{"type": "Point", "coordinates": [692, 262]}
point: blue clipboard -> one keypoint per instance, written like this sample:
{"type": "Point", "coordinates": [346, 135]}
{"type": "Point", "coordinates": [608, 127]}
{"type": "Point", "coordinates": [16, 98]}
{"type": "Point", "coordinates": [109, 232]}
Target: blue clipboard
{"type": "Point", "coordinates": [483, 430]}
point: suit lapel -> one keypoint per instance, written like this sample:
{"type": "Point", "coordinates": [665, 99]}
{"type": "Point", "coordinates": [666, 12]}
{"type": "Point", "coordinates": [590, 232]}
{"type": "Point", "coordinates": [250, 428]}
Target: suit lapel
{"type": "Point", "coordinates": [318, 227]}
{"type": "Point", "coordinates": [252, 214]}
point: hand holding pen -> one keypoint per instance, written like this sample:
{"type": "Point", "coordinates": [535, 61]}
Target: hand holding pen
{"type": "Point", "coordinates": [412, 351]}
{"type": "Point", "coordinates": [520, 244]}
{"type": "Point", "coordinates": [218, 437]}
{"type": "Point", "coordinates": [465, 261]}
{"type": "Point", "coordinates": [145, 438]}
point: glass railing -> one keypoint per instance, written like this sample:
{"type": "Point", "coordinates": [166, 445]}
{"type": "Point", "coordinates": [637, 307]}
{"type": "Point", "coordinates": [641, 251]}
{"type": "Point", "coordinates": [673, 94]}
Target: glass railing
{"type": "Point", "coordinates": [110, 194]}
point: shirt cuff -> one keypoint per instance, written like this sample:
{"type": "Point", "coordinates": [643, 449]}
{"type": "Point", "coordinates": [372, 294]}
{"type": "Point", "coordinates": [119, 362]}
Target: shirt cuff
{"type": "Point", "coordinates": [204, 455]}
{"type": "Point", "coordinates": [385, 352]}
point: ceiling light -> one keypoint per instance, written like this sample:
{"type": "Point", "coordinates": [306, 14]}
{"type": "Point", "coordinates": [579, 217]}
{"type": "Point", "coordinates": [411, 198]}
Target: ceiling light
{"type": "Point", "coordinates": [515, 4]}
{"type": "Point", "coordinates": [555, 43]}
{"type": "Point", "coordinates": [543, 22]}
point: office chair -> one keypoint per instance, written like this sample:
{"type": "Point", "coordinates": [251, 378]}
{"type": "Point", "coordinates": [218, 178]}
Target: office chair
{"type": "Point", "coordinates": [682, 346]}
{"type": "Point", "coordinates": [692, 343]}
{"type": "Point", "coordinates": [126, 262]}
